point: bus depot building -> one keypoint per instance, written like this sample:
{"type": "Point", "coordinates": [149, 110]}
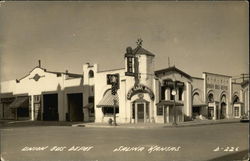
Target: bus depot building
{"type": "Point", "coordinates": [143, 96]}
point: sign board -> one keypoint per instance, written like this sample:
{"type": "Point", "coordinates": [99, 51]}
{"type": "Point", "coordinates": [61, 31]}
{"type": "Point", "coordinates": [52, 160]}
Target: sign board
{"type": "Point", "coordinates": [113, 79]}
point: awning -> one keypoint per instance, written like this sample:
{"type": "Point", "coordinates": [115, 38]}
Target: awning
{"type": "Point", "coordinates": [89, 106]}
{"type": "Point", "coordinates": [169, 103]}
{"type": "Point", "coordinates": [198, 102]}
{"type": "Point", "coordinates": [20, 102]}
{"type": "Point", "coordinates": [108, 100]}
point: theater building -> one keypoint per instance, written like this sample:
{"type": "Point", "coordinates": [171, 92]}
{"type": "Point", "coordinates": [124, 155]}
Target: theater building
{"type": "Point", "coordinates": [144, 95]}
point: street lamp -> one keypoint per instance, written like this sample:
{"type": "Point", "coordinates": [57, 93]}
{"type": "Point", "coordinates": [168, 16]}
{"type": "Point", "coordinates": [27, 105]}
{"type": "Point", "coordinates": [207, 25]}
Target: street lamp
{"type": "Point", "coordinates": [174, 93]}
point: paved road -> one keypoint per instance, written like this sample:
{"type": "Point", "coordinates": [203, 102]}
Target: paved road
{"type": "Point", "coordinates": [101, 144]}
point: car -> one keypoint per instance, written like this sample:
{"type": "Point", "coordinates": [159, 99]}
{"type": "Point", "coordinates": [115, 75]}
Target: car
{"type": "Point", "coordinates": [244, 118]}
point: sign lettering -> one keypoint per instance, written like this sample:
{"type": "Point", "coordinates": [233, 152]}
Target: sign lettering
{"type": "Point", "coordinates": [140, 89]}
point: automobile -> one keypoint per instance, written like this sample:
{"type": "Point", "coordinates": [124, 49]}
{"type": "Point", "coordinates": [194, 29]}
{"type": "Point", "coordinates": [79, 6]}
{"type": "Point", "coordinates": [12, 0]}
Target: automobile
{"type": "Point", "coordinates": [244, 118]}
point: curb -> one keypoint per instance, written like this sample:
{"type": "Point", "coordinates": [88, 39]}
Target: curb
{"type": "Point", "coordinates": [202, 124]}
{"type": "Point", "coordinates": [153, 127]}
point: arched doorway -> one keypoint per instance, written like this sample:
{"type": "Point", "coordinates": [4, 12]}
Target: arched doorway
{"type": "Point", "coordinates": [236, 107]}
{"type": "Point", "coordinates": [223, 110]}
{"type": "Point", "coordinates": [140, 111]}
{"type": "Point", "coordinates": [211, 107]}
{"type": "Point", "coordinates": [223, 107]}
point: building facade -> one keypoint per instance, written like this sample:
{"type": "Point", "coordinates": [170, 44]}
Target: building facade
{"type": "Point", "coordinates": [144, 95]}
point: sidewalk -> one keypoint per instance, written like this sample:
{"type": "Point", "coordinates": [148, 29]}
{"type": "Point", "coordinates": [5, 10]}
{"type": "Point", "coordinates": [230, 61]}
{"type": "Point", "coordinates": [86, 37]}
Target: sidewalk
{"type": "Point", "coordinates": [159, 125]}
{"type": "Point", "coordinates": [28, 123]}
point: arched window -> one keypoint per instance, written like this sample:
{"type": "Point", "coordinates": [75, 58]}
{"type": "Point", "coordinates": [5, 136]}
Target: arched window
{"type": "Point", "coordinates": [91, 74]}
{"type": "Point", "coordinates": [223, 98]}
{"type": "Point", "coordinates": [210, 97]}
{"type": "Point", "coordinates": [235, 99]}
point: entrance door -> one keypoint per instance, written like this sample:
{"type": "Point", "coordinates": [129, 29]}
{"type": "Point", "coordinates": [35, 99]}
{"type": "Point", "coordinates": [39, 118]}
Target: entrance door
{"type": "Point", "coordinates": [75, 107]}
{"type": "Point", "coordinates": [210, 112]}
{"type": "Point", "coordinates": [140, 113]}
{"type": "Point", "coordinates": [223, 111]}
{"type": "Point", "coordinates": [50, 107]}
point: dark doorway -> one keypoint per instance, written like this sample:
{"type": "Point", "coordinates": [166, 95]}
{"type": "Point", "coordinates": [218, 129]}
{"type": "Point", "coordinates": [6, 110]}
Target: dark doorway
{"type": "Point", "coordinates": [140, 108]}
{"type": "Point", "coordinates": [223, 110]}
{"type": "Point", "coordinates": [75, 106]}
{"type": "Point", "coordinates": [50, 107]}
{"type": "Point", "coordinates": [210, 113]}
{"type": "Point", "coordinates": [196, 111]}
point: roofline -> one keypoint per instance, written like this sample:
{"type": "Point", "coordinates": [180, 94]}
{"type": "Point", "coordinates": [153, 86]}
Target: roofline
{"type": "Point", "coordinates": [45, 70]}
{"type": "Point", "coordinates": [110, 70]}
{"type": "Point", "coordinates": [198, 78]}
{"type": "Point", "coordinates": [217, 74]}
{"type": "Point", "coordinates": [176, 69]}
{"type": "Point", "coordinates": [139, 47]}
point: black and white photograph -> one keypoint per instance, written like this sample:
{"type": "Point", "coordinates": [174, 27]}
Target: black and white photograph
{"type": "Point", "coordinates": [124, 80]}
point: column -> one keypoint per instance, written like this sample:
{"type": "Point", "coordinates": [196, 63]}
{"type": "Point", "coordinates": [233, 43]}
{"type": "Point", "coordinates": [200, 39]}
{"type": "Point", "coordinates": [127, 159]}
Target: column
{"type": "Point", "coordinates": [227, 109]}
{"type": "Point", "coordinates": [215, 113]}
{"type": "Point", "coordinates": [219, 111]}
{"type": "Point", "coordinates": [240, 106]}
{"type": "Point", "coordinates": [188, 110]}
{"type": "Point", "coordinates": [131, 112]}
{"type": "Point", "coordinates": [136, 119]}
{"type": "Point", "coordinates": [167, 94]}
{"type": "Point", "coordinates": [32, 110]}
{"type": "Point", "coordinates": [167, 113]}
{"type": "Point", "coordinates": [145, 113]}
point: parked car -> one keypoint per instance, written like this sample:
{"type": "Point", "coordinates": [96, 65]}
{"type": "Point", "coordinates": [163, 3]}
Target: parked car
{"type": "Point", "coordinates": [244, 118]}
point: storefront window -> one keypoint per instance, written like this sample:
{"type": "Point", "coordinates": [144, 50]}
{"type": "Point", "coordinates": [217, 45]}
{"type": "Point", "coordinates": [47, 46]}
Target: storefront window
{"type": "Point", "coordinates": [180, 93]}
{"type": "Point", "coordinates": [107, 111]}
{"type": "Point", "coordinates": [159, 110]}
{"type": "Point", "coordinates": [22, 112]}
{"type": "Point", "coordinates": [133, 111]}
{"type": "Point", "coordinates": [91, 110]}
{"type": "Point", "coordinates": [163, 88]}
{"type": "Point", "coordinates": [236, 112]}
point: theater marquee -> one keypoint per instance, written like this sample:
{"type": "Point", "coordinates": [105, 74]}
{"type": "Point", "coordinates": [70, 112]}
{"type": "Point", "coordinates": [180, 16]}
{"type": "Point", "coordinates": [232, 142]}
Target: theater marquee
{"type": "Point", "coordinates": [140, 89]}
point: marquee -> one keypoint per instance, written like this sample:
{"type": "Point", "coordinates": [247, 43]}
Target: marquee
{"type": "Point", "coordinates": [140, 89]}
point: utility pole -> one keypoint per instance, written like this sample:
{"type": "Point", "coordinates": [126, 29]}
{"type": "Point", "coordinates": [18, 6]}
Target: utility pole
{"type": "Point", "coordinates": [113, 79]}
{"type": "Point", "coordinates": [243, 77]}
{"type": "Point", "coordinates": [174, 94]}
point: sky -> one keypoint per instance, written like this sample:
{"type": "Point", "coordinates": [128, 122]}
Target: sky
{"type": "Point", "coordinates": [196, 36]}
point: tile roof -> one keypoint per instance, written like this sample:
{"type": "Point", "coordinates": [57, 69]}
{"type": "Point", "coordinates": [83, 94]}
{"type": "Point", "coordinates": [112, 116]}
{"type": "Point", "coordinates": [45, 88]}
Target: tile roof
{"type": "Point", "coordinates": [141, 51]}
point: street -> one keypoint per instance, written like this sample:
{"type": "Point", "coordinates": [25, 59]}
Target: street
{"type": "Point", "coordinates": [65, 143]}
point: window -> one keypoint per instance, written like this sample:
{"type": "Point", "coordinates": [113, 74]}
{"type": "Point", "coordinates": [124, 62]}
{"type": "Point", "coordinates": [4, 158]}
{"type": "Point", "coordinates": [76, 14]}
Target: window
{"type": "Point", "coordinates": [159, 110]}
{"type": "Point", "coordinates": [130, 64]}
{"type": "Point", "coordinates": [37, 98]}
{"type": "Point", "coordinates": [109, 110]}
{"type": "Point", "coordinates": [180, 93]}
{"type": "Point", "coordinates": [91, 99]}
{"type": "Point", "coordinates": [235, 99]}
{"type": "Point", "coordinates": [171, 95]}
{"type": "Point", "coordinates": [163, 88]}
{"type": "Point", "coordinates": [91, 74]}
{"type": "Point", "coordinates": [236, 112]}
{"type": "Point", "coordinates": [210, 97]}
{"type": "Point", "coordinates": [22, 112]}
